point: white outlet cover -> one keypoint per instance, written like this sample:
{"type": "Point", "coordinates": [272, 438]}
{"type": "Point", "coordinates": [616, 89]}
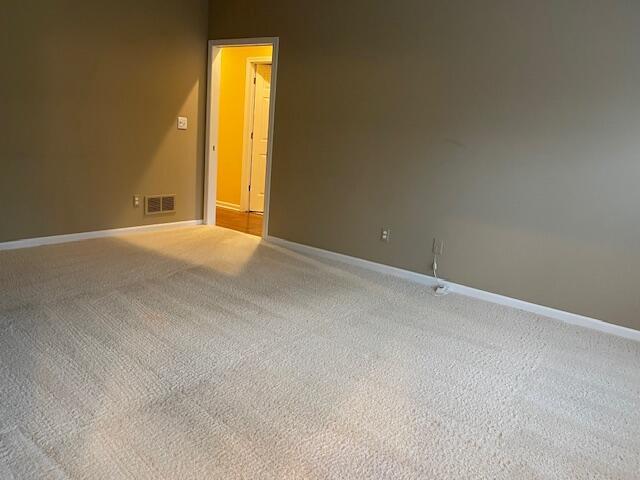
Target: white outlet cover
{"type": "Point", "coordinates": [183, 123]}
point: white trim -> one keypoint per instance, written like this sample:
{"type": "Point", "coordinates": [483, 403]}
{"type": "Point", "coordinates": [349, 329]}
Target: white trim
{"type": "Point", "coordinates": [213, 108]}
{"type": "Point", "coordinates": [567, 317]}
{"type": "Point", "coordinates": [272, 117]}
{"type": "Point", "coordinates": [243, 42]}
{"type": "Point", "coordinates": [249, 111]}
{"type": "Point", "coordinates": [211, 153]}
{"type": "Point", "coordinates": [227, 205]}
{"type": "Point", "coordinates": [74, 237]}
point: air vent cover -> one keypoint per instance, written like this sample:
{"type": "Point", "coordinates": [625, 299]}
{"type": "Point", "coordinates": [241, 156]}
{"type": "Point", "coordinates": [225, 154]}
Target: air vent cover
{"type": "Point", "coordinates": [153, 205]}
{"type": "Point", "coordinates": [159, 204]}
{"type": "Point", "coordinates": [169, 203]}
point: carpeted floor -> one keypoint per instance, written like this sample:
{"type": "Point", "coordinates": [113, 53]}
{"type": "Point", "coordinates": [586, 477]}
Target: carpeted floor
{"type": "Point", "coordinates": [202, 353]}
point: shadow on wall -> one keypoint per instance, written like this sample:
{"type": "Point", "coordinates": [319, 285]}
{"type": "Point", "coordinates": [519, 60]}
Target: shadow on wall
{"type": "Point", "coordinates": [93, 94]}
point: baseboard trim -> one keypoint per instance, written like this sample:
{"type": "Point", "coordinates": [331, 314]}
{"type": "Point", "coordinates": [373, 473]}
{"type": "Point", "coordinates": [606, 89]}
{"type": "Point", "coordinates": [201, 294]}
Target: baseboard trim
{"type": "Point", "coordinates": [228, 205]}
{"type": "Point", "coordinates": [421, 278]}
{"type": "Point", "coordinates": [74, 237]}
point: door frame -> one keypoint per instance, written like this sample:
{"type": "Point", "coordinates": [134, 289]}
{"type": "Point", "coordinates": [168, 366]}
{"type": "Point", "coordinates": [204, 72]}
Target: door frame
{"type": "Point", "coordinates": [249, 112]}
{"type": "Point", "coordinates": [213, 123]}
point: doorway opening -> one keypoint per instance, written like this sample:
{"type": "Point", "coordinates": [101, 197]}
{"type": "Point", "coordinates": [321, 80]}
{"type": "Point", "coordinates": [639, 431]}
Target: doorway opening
{"type": "Point", "coordinates": [240, 112]}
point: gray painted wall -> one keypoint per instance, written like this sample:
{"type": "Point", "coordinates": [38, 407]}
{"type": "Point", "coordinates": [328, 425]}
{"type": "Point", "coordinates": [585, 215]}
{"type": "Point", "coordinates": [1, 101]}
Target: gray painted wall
{"type": "Point", "coordinates": [89, 95]}
{"type": "Point", "coordinates": [510, 129]}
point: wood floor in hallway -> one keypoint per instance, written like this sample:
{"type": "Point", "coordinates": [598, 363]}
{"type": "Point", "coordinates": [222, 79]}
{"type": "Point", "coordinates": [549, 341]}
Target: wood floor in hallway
{"type": "Point", "coordinates": [247, 222]}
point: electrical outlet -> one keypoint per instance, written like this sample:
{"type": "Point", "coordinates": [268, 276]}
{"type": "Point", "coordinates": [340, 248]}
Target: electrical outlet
{"type": "Point", "coordinates": [438, 246]}
{"type": "Point", "coordinates": [183, 123]}
{"type": "Point", "coordinates": [385, 234]}
{"type": "Point", "coordinates": [136, 201]}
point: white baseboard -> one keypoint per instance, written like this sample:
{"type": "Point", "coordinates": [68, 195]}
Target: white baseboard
{"type": "Point", "coordinates": [567, 317]}
{"type": "Point", "coordinates": [74, 237]}
{"type": "Point", "coordinates": [228, 205]}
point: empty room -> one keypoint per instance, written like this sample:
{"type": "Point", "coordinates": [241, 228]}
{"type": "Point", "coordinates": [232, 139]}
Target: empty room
{"type": "Point", "coordinates": [353, 239]}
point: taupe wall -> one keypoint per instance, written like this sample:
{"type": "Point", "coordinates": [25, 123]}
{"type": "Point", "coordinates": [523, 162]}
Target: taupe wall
{"type": "Point", "coordinates": [89, 95]}
{"type": "Point", "coordinates": [511, 129]}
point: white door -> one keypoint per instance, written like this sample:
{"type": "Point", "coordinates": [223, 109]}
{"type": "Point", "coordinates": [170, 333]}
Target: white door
{"type": "Point", "coordinates": [260, 138]}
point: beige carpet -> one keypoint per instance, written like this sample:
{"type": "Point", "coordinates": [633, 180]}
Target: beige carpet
{"type": "Point", "coordinates": [201, 353]}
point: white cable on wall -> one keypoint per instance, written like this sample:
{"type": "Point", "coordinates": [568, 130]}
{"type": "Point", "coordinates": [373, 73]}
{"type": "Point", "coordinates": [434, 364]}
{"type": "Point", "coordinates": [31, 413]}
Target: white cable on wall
{"type": "Point", "coordinates": [441, 289]}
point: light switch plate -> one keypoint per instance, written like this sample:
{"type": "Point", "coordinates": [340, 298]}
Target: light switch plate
{"type": "Point", "coordinates": [183, 123]}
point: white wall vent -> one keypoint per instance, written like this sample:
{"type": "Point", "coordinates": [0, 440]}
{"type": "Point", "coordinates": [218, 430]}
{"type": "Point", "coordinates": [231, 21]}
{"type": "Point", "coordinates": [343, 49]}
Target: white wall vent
{"type": "Point", "coordinates": [155, 204]}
